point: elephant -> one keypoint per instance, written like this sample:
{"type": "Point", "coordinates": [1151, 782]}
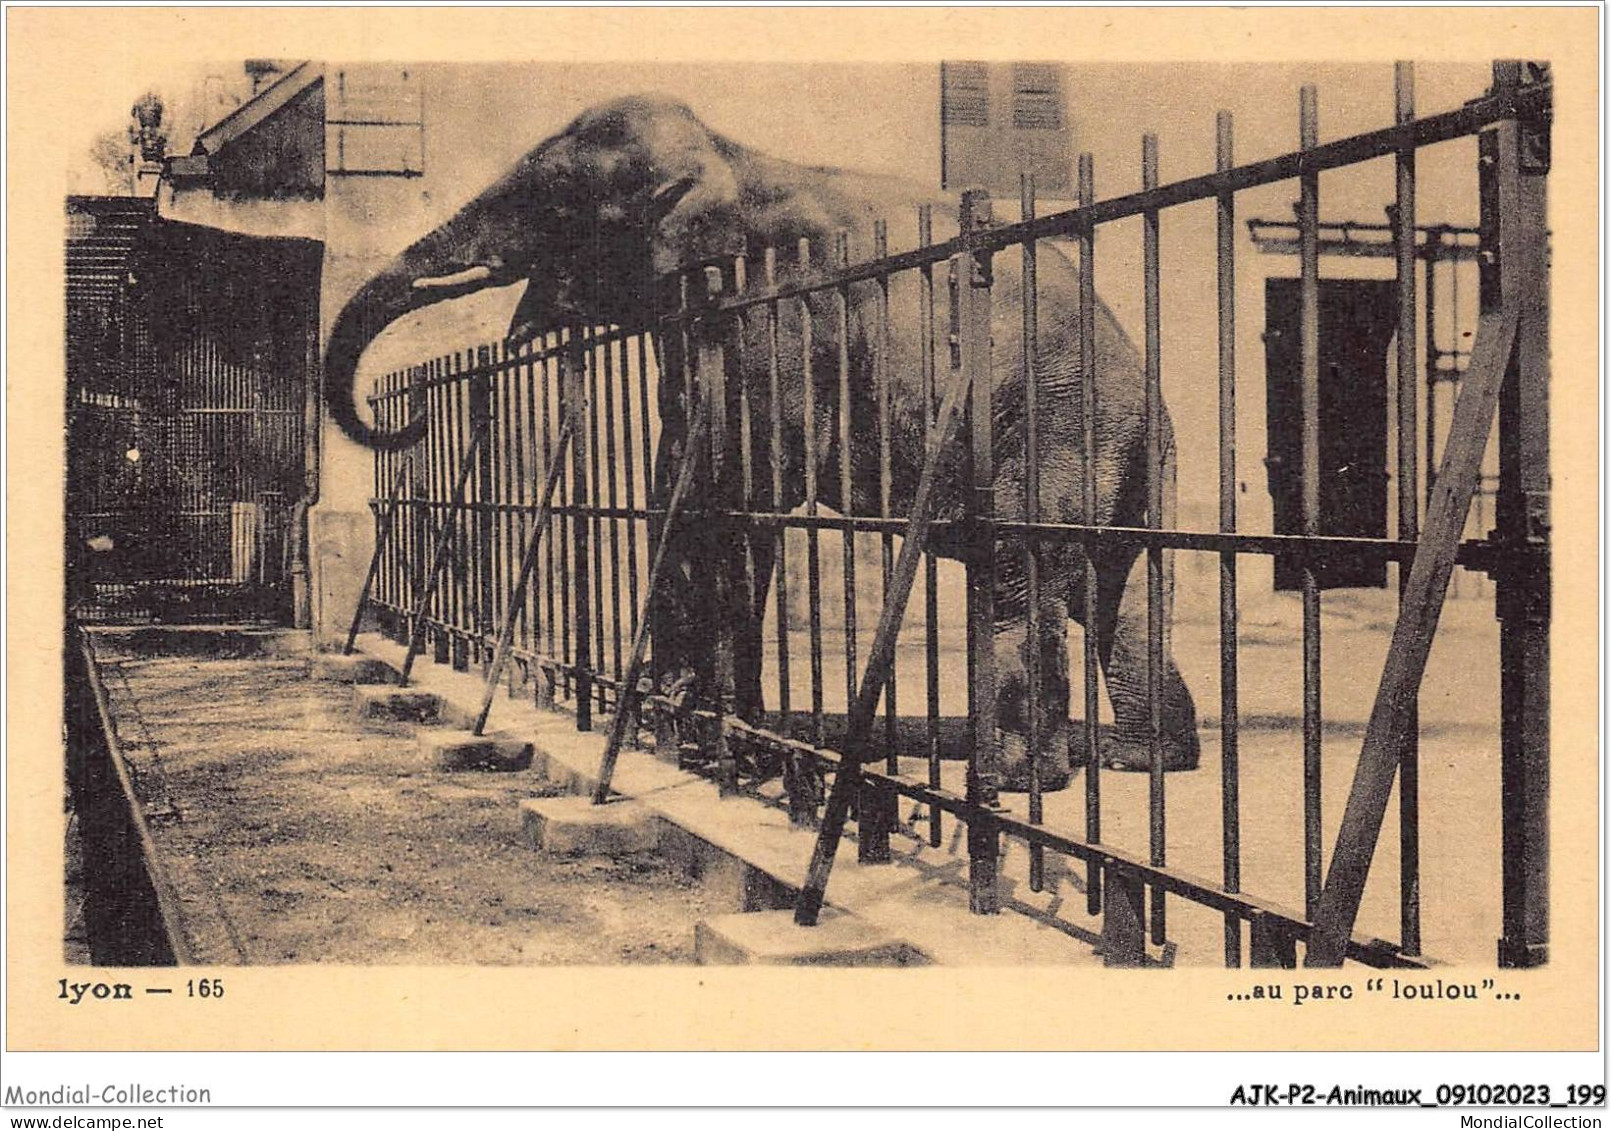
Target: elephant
{"type": "Point", "coordinates": [640, 187]}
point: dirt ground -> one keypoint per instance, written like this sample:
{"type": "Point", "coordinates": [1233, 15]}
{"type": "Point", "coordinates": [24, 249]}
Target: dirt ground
{"type": "Point", "coordinates": [315, 840]}
{"type": "Point", "coordinates": [307, 838]}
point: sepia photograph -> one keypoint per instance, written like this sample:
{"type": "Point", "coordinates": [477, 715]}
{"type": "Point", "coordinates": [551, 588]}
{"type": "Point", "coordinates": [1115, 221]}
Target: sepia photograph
{"type": "Point", "coordinates": [1005, 512]}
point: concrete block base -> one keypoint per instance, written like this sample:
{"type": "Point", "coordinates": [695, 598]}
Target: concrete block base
{"type": "Point", "coordinates": [574, 826]}
{"type": "Point", "coordinates": [727, 880]}
{"type": "Point", "coordinates": [396, 704]}
{"type": "Point", "coordinates": [771, 938]}
{"type": "Point", "coordinates": [336, 668]}
{"type": "Point", "coordinates": [460, 750]}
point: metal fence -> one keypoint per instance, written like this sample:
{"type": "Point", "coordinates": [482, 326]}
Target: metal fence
{"type": "Point", "coordinates": [188, 360]}
{"type": "Point", "coordinates": [667, 437]}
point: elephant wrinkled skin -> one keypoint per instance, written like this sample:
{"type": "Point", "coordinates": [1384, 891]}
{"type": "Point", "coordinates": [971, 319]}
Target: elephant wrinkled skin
{"type": "Point", "coordinates": [643, 177]}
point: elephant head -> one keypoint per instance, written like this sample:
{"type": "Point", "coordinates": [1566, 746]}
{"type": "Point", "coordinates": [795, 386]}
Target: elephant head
{"type": "Point", "coordinates": [586, 219]}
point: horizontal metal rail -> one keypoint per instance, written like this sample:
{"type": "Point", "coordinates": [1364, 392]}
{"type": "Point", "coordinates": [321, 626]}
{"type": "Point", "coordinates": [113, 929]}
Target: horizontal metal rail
{"type": "Point", "coordinates": [1472, 552]}
{"type": "Point", "coordinates": [1384, 142]}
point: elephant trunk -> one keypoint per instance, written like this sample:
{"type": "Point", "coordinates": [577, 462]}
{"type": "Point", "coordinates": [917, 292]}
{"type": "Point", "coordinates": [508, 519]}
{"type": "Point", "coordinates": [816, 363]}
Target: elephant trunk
{"type": "Point", "coordinates": [381, 301]}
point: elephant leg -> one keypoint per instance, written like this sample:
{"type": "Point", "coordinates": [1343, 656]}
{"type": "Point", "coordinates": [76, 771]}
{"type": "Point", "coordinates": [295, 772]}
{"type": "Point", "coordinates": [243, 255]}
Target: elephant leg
{"type": "Point", "coordinates": [681, 611]}
{"type": "Point", "coordinates": [1122, 647]}
{"type": "Point", "coordinates": [1015, 653]}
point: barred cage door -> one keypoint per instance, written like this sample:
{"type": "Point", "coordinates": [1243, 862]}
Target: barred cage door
{"type": "Point", "coordinates": [186, 397]}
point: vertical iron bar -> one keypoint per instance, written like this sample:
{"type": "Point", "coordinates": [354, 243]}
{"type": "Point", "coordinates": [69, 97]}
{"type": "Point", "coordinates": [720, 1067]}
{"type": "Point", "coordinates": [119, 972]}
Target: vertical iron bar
{"type": "Point", "coordinates": [1434, 240]}
{"type": "Point", "coordinates": [1031, 337]}
{"type": "Point", "coordinates": [1229, 709]}
{"type": "Point", "coordinates": [1524, 600]}
{"type": "Point", "coordinates": [458, 552]}
{"type": "Point", "coordinates": [1409, 819]}
{"type": "Point", "coordinates": [493, 505]}
{"type": "Point", "coordinates": [802, 800]}
{"type": "Point", "coordinates": [711, 383]}
{"type": "Point", "coordinates": [634, 504]}
{"type": "Point", "coordinates": [629, 459]}
{"type": "Point", "coordinates": [1155, 565]}
{"type": "Point", "coordinates": [380, 561]}
{"type": "Point", "coordinates": [819, 733]}
{"type": "Point", "coordinates": [433, 614]}
{"type": "Point", "coordinates": [931, 574]}
{"type": "Point", "coordinates": [984, 760]}
{"type": "Point", "coordinates": [611, 496]}
{"type": "Point", "coordinates": [380, 568]}
{"type": "Point", "coordinates": [558, 618]}
{"type": "Point", "coordinates": [512, 516]}
{"type": "Point", "coordinates": [745, 557]}
{"type": "Point", "coordinates": [520, 383]}
{"type": "Point", "coordinates": [882, 377]}
{"type": "Point", "coordinates": [573, 382]}
{"type": "Point", "coordinates": [419, 491]}
{"type": "Point", "coordinates": [879, 807]}
{"type": "Point", "coordinates": [846, 494]}
{"type": "Point", "coordinates": [1309, 263]}
{"type": "Point", "coordinates": [594, 479]}
{"type": "Point", "coordinates": [1089, 516]}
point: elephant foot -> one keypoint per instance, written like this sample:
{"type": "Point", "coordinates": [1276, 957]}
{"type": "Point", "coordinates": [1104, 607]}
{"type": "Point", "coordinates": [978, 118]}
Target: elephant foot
{"type": "Point", "coordinates": [1135, 755]}
{"type": "Point", "coordinates": [1055, 771]}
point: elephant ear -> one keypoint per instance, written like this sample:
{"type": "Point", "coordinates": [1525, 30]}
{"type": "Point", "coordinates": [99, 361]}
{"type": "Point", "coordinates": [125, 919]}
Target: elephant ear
{"type": "Point", "coordinates": [693, 217]}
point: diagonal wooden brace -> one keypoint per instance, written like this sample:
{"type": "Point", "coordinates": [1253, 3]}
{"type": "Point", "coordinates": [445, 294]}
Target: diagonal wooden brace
{"type": "Point", "coordinates": [438, 557]}
{"type": "Point", "coordinates": [394, 503]}
{"type": "Point", "coordinates": [528, 561]}
{"type": "Point", "coordinates": [1421, 605]}
{"type": "Point", "coordinates": [627, 693]}
{"type": "Point", "coordinates": [859, 728]}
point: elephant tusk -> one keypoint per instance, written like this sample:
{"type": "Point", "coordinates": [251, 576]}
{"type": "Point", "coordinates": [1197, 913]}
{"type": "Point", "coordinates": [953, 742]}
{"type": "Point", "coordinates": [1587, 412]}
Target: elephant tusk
{"type": "Point", "coordinates": [477, 274]}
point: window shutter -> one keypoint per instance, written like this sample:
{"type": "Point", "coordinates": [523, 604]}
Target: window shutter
{"type": "Point", "coordinates": [965, 94]}
{"type": "Point", "coordinates": [1037, 97]}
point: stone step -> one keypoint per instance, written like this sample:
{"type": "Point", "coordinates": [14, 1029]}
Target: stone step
{"type": "Point", "coordinates": [396, 704]}
{"type": "Point", "coordinates": [771, 938]}
{"type": "Point", "coordinates": [574, 826]}
{"type": "Point", "coordinates": [336, 668]}
{"type": "Point", "coordinates": [461, 750]}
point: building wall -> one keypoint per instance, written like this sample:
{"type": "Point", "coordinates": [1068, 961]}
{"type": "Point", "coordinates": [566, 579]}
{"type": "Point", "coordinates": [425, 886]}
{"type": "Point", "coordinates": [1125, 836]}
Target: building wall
{"type": "Point", "coordinates": [479, 119]}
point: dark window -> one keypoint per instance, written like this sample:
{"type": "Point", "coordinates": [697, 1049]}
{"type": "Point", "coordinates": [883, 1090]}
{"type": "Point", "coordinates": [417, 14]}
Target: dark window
{"type": "Point", "coordinates": [965, 94]}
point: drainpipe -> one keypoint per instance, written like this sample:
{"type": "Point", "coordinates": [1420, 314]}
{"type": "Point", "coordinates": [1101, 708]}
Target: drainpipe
{"type": "Point", "coordinates": [300, 550]}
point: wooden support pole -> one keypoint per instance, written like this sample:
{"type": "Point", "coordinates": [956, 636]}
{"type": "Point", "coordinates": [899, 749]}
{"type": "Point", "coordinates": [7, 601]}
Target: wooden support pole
{"type": "Point", "coordinates": [383, 539]}
{"type": "Point", "coordinates": [1412, 640]}
{"type": "Point", "coordinates": [859, 727]}
{"type": "Point", "coordinates": [1271, 946]}
{"type": "Point", "coordinates": [1403, 224]}
{"type": "Point", "coordinates": [528, 560]}
{"type": "Point", "coordinates": [1124, 931]}
{"type": "Point", "coordinates": [439, 555]}
{"type": "Point", "coordinates": [628, 695]}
